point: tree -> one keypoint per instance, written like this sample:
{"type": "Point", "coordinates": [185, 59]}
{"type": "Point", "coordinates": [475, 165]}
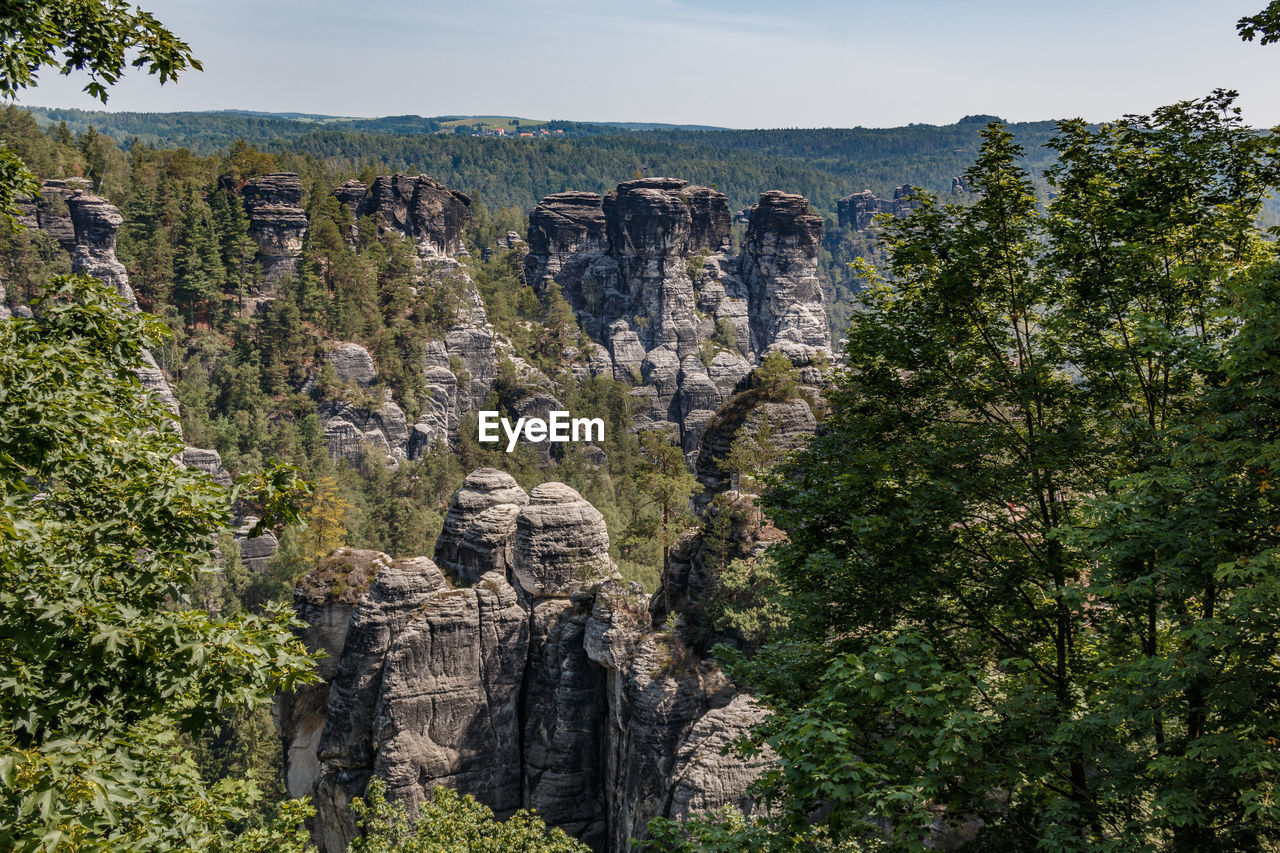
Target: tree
{"type": "Point", "coordinates": [1265, 24]}
{"type": "Point", "coordinates": [98, 37]}
{"type": "Point", "coordinates": [450, 823]}
{"type": "Point", "coordinates": [99, 534]}
{"type": "Point", "coordinates": [326, 515]}
{"type": "Point", "coordinates": [1010, 560]}
{"type": "Point", "coordinates": [665, 478]}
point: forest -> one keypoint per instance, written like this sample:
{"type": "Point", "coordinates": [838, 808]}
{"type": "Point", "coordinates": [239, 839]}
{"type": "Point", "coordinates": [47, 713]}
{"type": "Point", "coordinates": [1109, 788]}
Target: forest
{"type": "Point", "coordinates": [1025, 589]}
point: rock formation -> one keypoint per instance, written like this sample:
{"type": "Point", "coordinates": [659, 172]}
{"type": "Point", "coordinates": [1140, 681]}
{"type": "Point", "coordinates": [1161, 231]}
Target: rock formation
{"type": "Point", "coordinates": [460, 369]}
{"type": "Point", "coordinates": [648, 272]}
{"type": "Point", "coordinates": [857, 211]}
{"type": "Point", "coordinates": [414, 205]}
{"type": "Point", "coordinates": [515, 667]}
{"type": "Point", "coordinates": [277, 223]}
{"type": "Point", "coordinates": [49, 212]}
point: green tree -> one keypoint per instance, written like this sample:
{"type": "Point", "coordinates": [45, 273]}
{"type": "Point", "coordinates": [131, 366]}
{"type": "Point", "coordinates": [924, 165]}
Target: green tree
{"type": "Point", "coordinates": [667, 485]}
{"type": "Point", "coordinates": [1265, 25]}
{"type": "Point", "coordinates": [450, 823]}
{"type": "Point", "coordinates": [99, 531]}
{"type": "Point", "coordinates": [1010, 557]}
{"type": "Point", "coordinates": [96, 37]}
{"type": "Point", "coordinates": [198, 272]}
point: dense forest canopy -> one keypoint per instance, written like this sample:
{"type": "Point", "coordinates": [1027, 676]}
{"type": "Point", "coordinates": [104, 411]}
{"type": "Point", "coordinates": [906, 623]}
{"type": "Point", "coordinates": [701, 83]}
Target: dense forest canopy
{"type": "Point", "coordinates": [822, 164]}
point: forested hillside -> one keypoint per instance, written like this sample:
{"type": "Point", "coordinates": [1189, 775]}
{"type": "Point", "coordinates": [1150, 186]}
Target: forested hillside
{"type": "Point", "coordinates": [822, 164]}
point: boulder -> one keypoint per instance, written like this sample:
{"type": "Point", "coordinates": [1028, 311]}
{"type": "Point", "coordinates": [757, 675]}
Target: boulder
{"type": "Point", "coordinates": [562, 543]}
{"type": "Point", "coordinates": [352, 364]}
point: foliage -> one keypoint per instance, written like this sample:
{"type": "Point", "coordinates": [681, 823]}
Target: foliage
{"type": "Point", "coordinates": [1265, 24]}
{"type": "Point", "coordinates": [665, 479]}
{"type": "Point", "coordinates": [450, 823]}
{"type": "Point", "coordinates": [92, 36]}
{"type": "Point", "coordinates": [99, 533]}
{"type": "Point", "coordinates": [1029, 572]}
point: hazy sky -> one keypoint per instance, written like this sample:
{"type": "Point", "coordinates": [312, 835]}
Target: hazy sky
{"type": "Point", "coordinates": [737, 63]}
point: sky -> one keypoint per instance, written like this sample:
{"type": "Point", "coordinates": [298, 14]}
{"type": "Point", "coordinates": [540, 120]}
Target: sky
{"type": "Point", "coordinates": [732, 63]}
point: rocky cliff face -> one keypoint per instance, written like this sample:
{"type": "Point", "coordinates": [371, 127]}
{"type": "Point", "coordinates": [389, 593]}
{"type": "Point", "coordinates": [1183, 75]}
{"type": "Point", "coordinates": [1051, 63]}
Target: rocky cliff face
{"type": "Point", "coordinates": [648, 272]}
{"type": "Point", "coordinates": [277, 223]}
{"type": "Point", "coordinates": [857, 211]}
{"type": "Point", "coordinates": [413, 205]}
{"type": "Point", "coordinates": [516, 667]}
{"type": "Point", "coordinates": [460, 369]}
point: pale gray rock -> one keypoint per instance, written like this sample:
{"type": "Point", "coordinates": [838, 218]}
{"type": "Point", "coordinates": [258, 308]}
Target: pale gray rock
{"type": "Point", "coordinates": [353, 731]}
{"type": "Point", "coordinates": [154, 382]}
{"type": "Point", "coordinates": [555, 694]}
{"type": "Point", "coordinates": [352, 364]}
{"type": "Point", "coordinates": [344, 440]}
{"type": "Point", "coordinates": [779, 266]}
{"type": "Point", "coordinates": [208, 461]}
{"type": "Point", "coordinates": [666, 706]}
{"type": "Point", "coordinates": [649, 274]}
{"type": "Point", "coordinates": [440, 416]}
{"type": "Point", "coordinates": [277, 224]}
{"type": "Point", "coordinates": [707, 775]}
{"type": "Point", "coordinates": [50, 213]}
{"type": "Point", "coordinates": [565, 711]}
{"type": "Point", "coordinates": [86, 226]}
{"type": "Point", "coordinates": [562, 543]}
{"type": "Point", "coordinates": [363, 435]}
{"type": "Point", "coordinates": [473, 345]}
{"type": "Point", "coordinates": [726, 372]}
{"type": "Point", "coordinates": [419, 207]}
{"type": "Point", "coordinates": [789, 425]}
{"type": "Point", "coordinates": [448, 713]}
{"type": "Point", "coordinates": [601, 363]}
{"type": "Point", "coordinates": [628, 353]}
{"type": "Point", "coordinates": [479, 528]}
{"type": "Point", "coordinates": [697, 391]}
{"type": "Point", "coordinates": [256, 551]}
{"type": "Point", "coordinates": [95, 222]}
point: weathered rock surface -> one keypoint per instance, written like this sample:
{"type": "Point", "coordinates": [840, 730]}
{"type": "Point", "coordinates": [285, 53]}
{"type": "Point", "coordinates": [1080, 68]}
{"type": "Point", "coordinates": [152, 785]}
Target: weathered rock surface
{"type": "Point", "coordinates": [779, 267]}
{"type": "Point", "coordinates": [86, 226]}
{"type": "Point", "coordinates": [449, 707]}
{"type": "Point", "coordinates": [562, 543]}
{"type": "Point", "coordinates": [346, 752]}
{"type": "Point", "coordinates": [417, 206]}
{"type": "Point", "coordinates": [533, 680]}
{"type": "Point", "coordinates": [365, 435]}
{"type": "Point", "coordinates": [256, 551]}
{"type": "Point", "coordinates": [460, 367]}
{"type": "Point", "coordinates": [208, 461]}
{"type": "Point", "coordinates": [480, 527]}
{"type": "Point", "coordinates": [857, 211]}
{"type": "Point", "coordinates": [49, 212]}
{"type": "Point", "coordinates": [352, 363]}
{"type": "Point", "coordinates": [788, 423]}
{"type": "Point", "coordinates": [648, 273]}
{"type": "Point", "coordinates": [277, 223]}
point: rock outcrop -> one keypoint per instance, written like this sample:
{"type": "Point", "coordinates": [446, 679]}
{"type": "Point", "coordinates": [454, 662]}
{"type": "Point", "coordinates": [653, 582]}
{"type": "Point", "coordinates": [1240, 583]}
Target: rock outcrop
{"type": "Point", "coordinates": [515, 667]}
{"type": "Point", "coordinates": [277, 223]}
{"type": "Point", "coordinates": [648, 272]}
{"type": "Point", "coordinates": [49, 212]}
{"type": "Point", "coordinates": [413, 205]}
{"type": "Point", "coordinates": [460, 367]}
{"type": "Point", "coordinates": [856, 212]}
{"type": "Point", "coordinates": [480, 527]}
{"type": "Point", "coordinates": [779, 267]}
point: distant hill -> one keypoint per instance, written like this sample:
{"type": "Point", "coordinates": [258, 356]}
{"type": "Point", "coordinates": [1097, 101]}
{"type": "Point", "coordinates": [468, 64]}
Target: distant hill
{"type": "Point", "coordinates": [822, 163]}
